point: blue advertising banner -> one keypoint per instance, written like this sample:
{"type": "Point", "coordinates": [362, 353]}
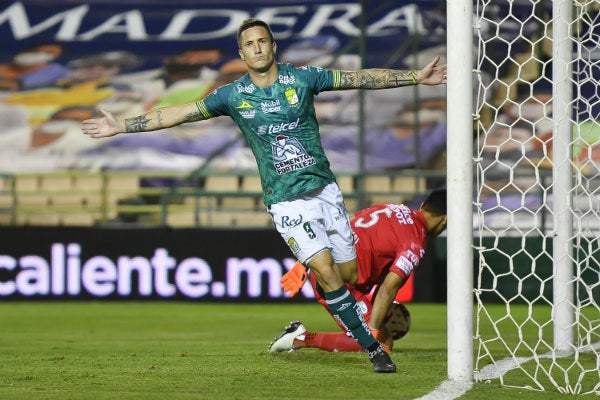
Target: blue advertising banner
{"type": "Point", "coordinates": [153, 29]}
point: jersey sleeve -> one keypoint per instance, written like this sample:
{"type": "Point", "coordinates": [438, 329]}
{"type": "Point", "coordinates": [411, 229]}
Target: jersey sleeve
{"type": "Point", "coordinates": [408, 259]}
{"type": "Point", "coordinates": [215, 104]}
{"type": "Point", "coordinates": [322, 79]}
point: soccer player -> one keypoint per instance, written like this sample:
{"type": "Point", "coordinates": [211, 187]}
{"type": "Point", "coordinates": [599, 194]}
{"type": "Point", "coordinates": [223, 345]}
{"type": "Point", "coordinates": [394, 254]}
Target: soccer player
{"type": "Point", "coordinates": [390, 243]}
{"type": "Point", "coordinates": [273, 105]}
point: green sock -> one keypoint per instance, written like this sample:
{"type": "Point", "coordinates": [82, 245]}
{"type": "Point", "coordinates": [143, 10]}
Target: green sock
{"type": "Point", "coordinates": [344, 309]}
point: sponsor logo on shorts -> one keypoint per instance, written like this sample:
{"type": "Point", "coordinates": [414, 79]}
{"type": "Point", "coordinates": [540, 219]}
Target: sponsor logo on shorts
{"type": "Point", "coordinates": [290, 222]}
{"type": "Point", "coordinates": [293, 245]}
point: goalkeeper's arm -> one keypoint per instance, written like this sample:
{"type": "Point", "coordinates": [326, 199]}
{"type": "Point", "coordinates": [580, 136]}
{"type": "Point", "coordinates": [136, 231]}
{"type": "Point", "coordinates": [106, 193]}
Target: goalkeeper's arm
{"type": "Point", "coordinates": [383, 299]}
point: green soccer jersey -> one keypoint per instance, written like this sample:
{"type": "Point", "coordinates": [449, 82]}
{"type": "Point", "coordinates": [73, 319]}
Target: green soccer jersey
{"type": "Point", "coordinates": [280, 125]}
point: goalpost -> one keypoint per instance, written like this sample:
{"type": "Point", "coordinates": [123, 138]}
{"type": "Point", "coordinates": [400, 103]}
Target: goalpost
{"type": "Point", "coordinates": [531, 220]}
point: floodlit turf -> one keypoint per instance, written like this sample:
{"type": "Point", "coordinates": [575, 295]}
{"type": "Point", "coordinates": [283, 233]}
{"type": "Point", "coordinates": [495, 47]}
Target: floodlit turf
{"type": "Point", "coordinates": [95, 350]}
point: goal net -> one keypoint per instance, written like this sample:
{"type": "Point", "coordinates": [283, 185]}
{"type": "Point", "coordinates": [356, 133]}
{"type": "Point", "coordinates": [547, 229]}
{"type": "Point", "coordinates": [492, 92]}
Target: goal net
{"type": "Point", "coordinates": [537, 208]}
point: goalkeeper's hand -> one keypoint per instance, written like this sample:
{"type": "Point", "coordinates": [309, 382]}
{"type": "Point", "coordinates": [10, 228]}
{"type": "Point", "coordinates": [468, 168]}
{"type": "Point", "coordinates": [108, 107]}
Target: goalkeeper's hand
{"type": "Point", "coordinates": [293, 280]}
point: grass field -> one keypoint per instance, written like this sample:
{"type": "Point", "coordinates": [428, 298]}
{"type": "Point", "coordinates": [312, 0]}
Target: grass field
{"type": "Point", "coordinates": [114, 350]}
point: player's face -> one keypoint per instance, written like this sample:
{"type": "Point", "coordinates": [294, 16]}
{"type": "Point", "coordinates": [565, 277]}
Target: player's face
{"type": "Point", "coordinates": [440, 226]}
{"type": "Point", "coordinates": [257, 49]}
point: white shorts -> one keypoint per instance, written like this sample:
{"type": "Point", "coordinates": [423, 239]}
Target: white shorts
{"type": "Point", "coordinates": [314, 222]}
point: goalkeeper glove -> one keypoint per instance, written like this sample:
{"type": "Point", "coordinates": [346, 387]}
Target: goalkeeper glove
{"type": "Point", "coordinates": [293, 280]}
{"type": "Point", "coordinates": [375, 333]}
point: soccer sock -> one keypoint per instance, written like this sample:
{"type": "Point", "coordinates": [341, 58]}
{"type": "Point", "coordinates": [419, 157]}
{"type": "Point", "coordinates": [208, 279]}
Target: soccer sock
{"type": "Point", "coordinates": [343, 307]}
{"type": "Point", "coordinates": [328, 341]}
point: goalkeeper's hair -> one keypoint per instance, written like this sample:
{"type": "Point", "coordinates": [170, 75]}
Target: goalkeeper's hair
{"type": "Point", "coordinates": [435, 203]}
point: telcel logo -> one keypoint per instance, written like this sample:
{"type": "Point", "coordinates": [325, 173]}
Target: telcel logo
{"type": "Point", "coordinates": [277, 128]}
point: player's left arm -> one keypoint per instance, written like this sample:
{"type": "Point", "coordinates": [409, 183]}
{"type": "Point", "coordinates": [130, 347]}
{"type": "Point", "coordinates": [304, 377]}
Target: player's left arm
{"type": "Point", "coordinates": [384, 298]}
{"type": "Point", "coordinates": [375, 78]}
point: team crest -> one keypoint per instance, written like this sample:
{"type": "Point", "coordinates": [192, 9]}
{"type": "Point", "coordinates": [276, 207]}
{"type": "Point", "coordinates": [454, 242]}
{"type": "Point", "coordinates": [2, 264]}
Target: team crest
{"type": "Point", "coordinates": [292, 96]}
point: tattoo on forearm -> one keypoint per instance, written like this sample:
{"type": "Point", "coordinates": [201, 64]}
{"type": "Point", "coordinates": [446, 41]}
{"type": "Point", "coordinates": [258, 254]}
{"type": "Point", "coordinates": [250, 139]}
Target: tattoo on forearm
{"type": "Point", "coordinates": [376, 79]}
{"type": "Point", "coordinates": [159, 118]}
{"type": "Point", "coordinates": [137, 124]}
{"type": "Point", "coordinates": [194, 116]}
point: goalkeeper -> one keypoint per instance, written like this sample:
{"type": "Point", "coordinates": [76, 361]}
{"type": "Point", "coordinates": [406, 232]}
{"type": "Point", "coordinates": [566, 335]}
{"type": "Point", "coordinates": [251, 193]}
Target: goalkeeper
{"type": "Point", "coordinates": [390, 242]}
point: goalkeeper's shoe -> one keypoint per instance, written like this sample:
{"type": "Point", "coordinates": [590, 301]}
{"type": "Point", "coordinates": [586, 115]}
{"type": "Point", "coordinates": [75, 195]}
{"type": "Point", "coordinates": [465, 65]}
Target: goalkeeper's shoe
{"type": "Point", "coordinates": [285, 341]}
{"type": "Point", "coordinates": [382, 362]}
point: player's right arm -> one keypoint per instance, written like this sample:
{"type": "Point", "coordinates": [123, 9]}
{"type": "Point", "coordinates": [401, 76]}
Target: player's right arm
{"type": "Point", "coordinates": [161, 118]}
{"type": "Point", "coordinates": [383, 299]}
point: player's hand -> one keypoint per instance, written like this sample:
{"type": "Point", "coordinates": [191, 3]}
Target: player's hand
{"type": "Point", "coordinates": [100, 127]}
{"type": "Point", "coordinates": [293, 280]}
{"type": "Point", "coordinates": [432, 74]}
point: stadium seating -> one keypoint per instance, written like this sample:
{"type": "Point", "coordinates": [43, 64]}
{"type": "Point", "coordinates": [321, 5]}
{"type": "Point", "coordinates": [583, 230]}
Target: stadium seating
{"type": "Point", "coordinates": [230, 199]}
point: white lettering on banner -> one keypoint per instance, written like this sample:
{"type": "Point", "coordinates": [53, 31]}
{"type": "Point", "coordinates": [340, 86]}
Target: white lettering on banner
{"type": "Point", "coordinates": [16, 16]}
{"type": "Point", "coordinates": [181, 20]}
{"type": "Point", "coordinates": [254, 271]}
{"type": "Point", "coordinates": [343, 23]}
{"type": "Point", "coordinates": [132, 23]}
{"type": "Point", "coordinates": [271, 14]}
{"type": "Point", "coordinates": [9, 264]}
{"type": "Point", "coordinates": [34, 277]}
{"type": "Point", "coordinates": [66, 273]}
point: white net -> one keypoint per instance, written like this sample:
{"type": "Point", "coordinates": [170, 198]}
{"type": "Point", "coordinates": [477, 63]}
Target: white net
{"type": "Point", "coordinates": [538, 194]}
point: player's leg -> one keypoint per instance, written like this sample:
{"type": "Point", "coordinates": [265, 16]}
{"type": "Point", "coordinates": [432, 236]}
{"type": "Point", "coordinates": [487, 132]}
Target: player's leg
{"type": "Point", "coordinates": [306, 224]}
{"type": "Point", "coordinates": [296, 336]}
{"type": "Point", "coordinates": [333, 341]}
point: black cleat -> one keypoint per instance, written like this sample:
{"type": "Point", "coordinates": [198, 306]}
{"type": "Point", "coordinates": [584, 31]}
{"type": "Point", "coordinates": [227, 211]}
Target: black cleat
{"type": "Point", "coordinates": [382, 362]}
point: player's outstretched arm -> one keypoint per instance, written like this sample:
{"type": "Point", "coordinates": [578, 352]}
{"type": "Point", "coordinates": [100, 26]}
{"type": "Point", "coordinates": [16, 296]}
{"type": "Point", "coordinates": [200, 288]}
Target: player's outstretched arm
{"type": "Point", "coordinates": [375, 78]}
{"type": "Point", "coordinates": [161, 118]}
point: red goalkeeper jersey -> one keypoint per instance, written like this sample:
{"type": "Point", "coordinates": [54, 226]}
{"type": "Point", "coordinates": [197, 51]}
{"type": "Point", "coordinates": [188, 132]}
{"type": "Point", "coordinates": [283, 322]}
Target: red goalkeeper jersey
{"type": "Point", "coordinates": [389, 237]}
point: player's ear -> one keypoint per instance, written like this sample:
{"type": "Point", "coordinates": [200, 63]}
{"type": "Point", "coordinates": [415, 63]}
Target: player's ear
{"type": "Point", "coordinates": [274, 47]}
{"type": "Point", "coordinates": [241, 54]}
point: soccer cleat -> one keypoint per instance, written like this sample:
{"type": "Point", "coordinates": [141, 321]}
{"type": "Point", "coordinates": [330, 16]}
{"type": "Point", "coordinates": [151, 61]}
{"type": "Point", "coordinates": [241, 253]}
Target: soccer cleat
{"type": "Point", "coordinates": [285, 341]}
{"type": "Point", "coordinates": [382, 362]}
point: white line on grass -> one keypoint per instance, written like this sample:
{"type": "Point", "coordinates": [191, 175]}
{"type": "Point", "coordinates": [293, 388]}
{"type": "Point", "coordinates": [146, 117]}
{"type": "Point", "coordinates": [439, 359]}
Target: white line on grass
{"type": "Point", "coordinates": [450, 390]}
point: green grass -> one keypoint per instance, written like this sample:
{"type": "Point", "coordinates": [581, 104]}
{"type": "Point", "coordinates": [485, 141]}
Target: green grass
{"type": "Point", "coordinates": [114, 350]}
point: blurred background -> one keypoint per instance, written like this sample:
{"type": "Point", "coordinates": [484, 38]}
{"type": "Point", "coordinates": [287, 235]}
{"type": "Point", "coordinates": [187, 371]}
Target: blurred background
{"type": "Point", "coordinates": [119, 210]}
{"type": "Point", "coordinates": [60, 60]}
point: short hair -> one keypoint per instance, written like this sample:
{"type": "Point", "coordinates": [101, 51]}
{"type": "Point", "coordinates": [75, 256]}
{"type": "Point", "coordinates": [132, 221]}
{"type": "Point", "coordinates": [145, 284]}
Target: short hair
{"type": "Point", "coordinates": [251, 23]}
{"type": "Point", "coordinates": [435, 203]}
